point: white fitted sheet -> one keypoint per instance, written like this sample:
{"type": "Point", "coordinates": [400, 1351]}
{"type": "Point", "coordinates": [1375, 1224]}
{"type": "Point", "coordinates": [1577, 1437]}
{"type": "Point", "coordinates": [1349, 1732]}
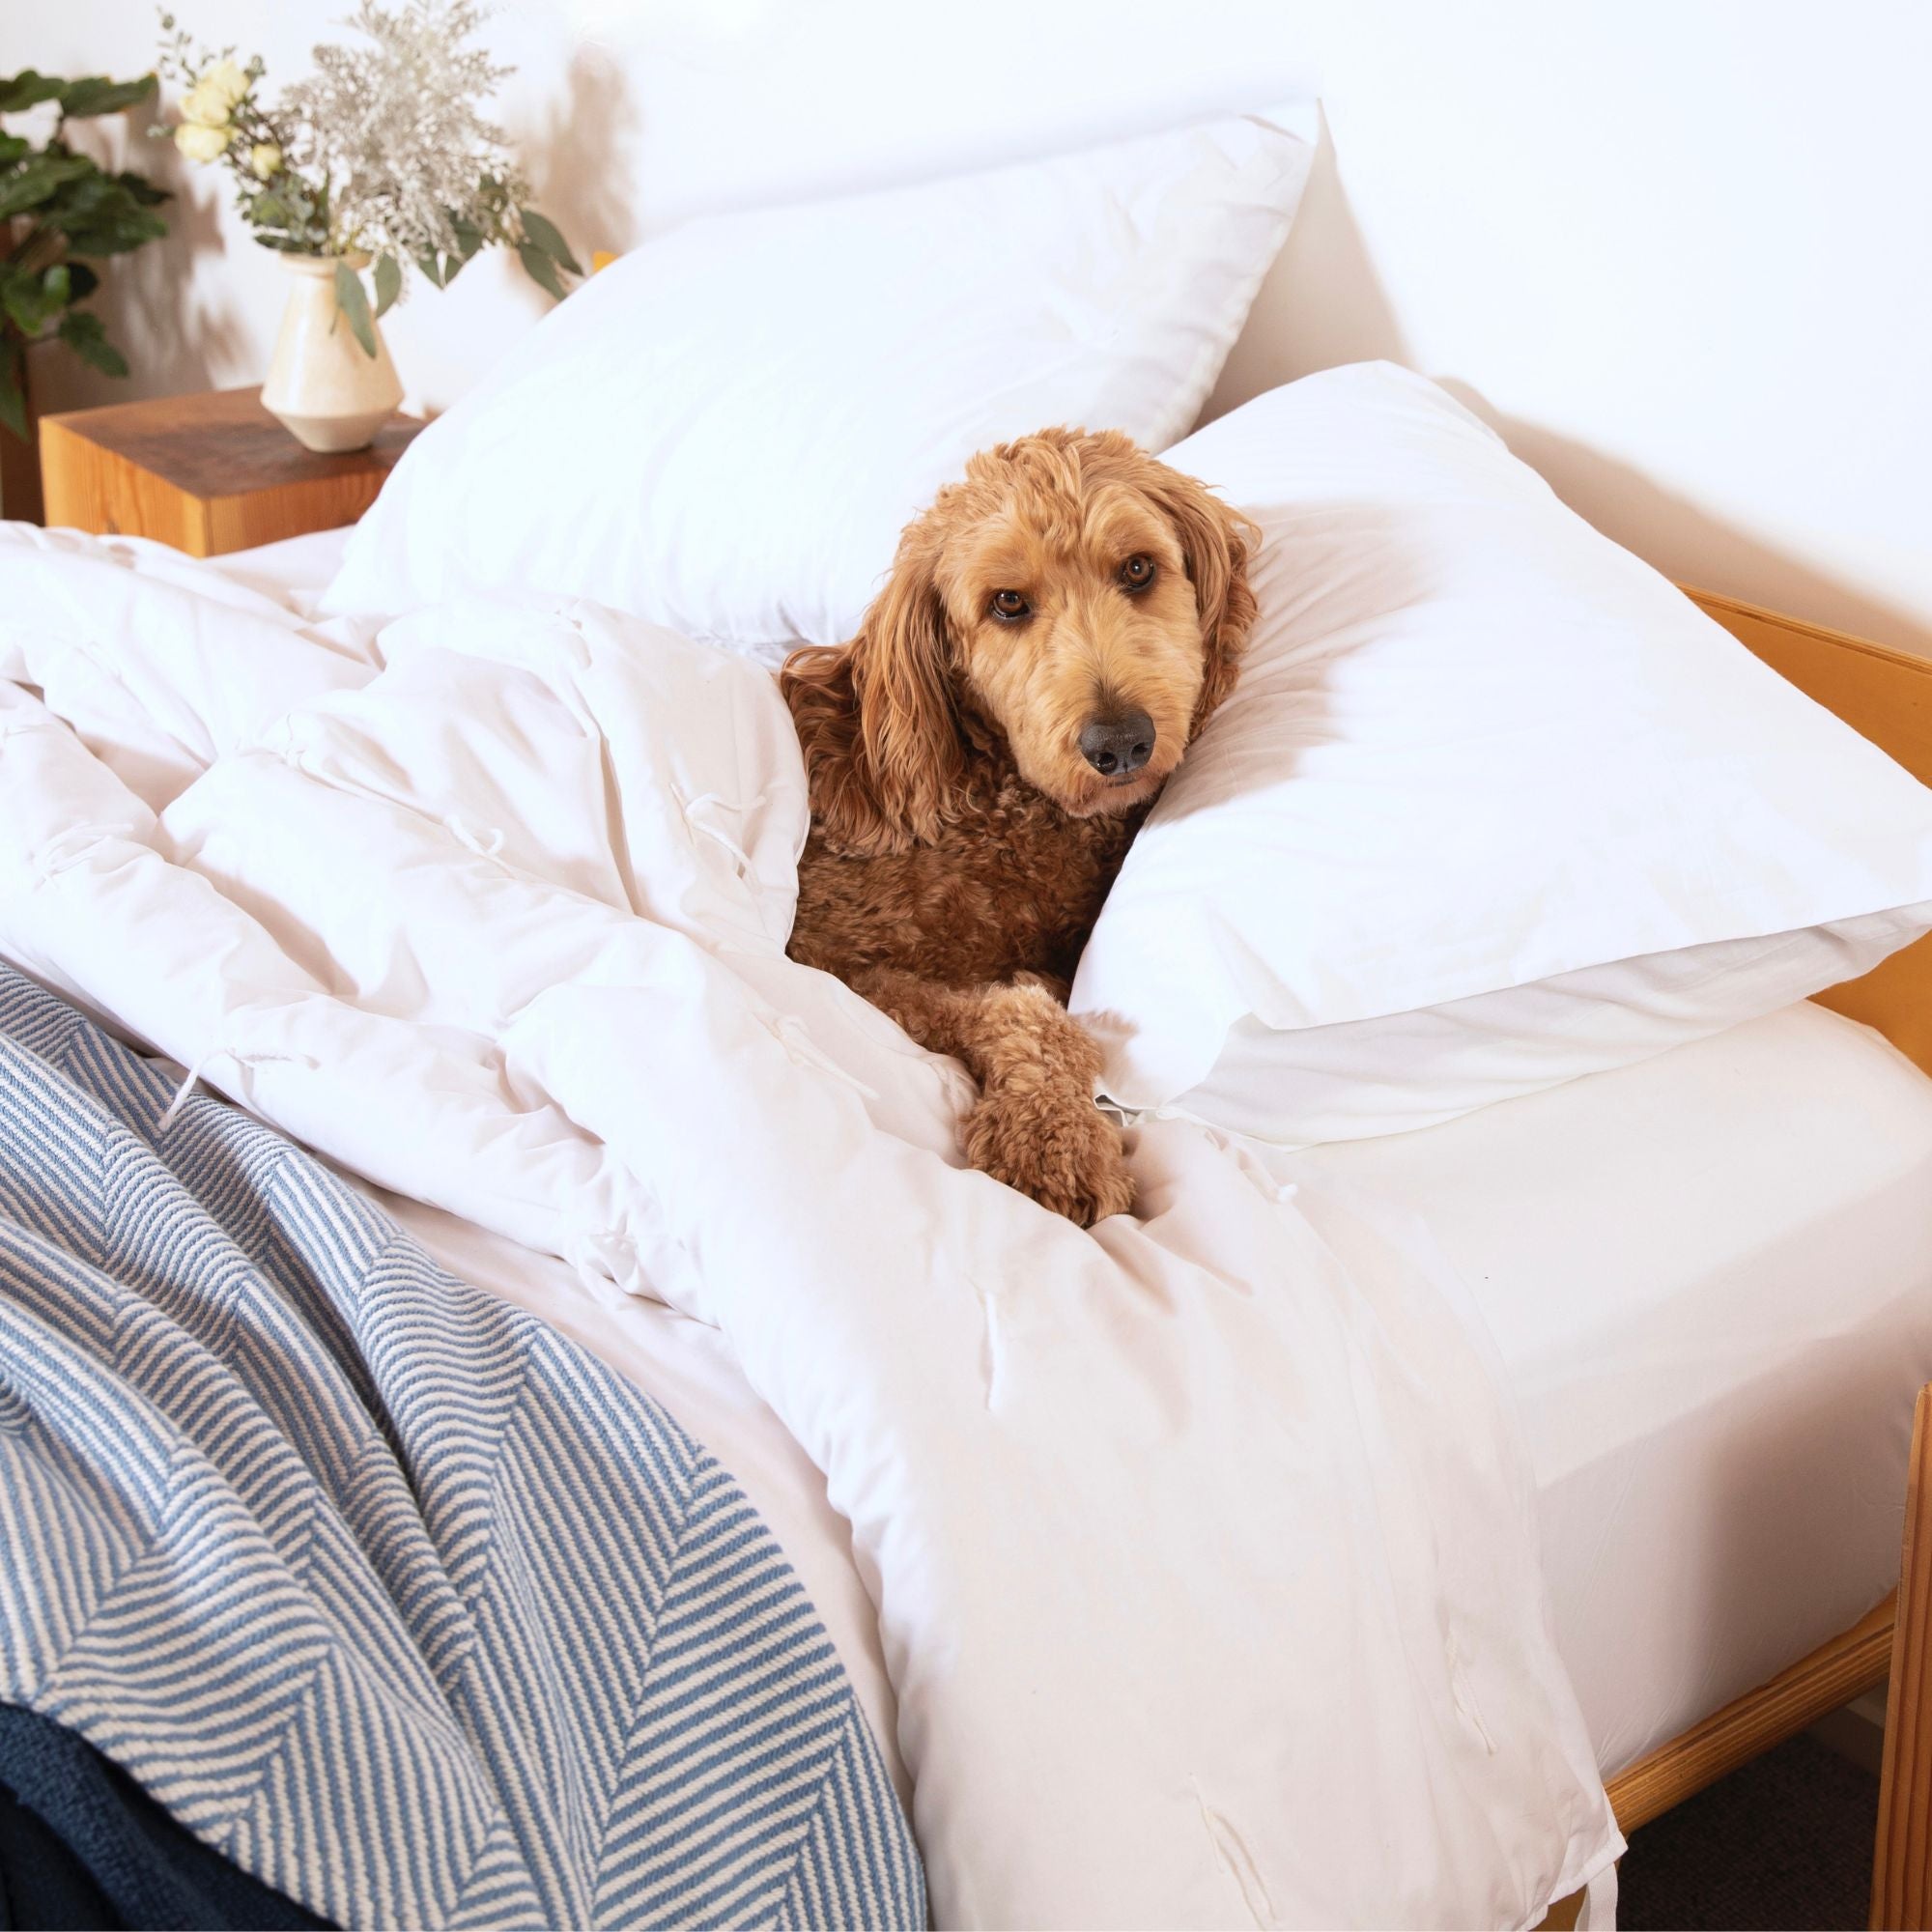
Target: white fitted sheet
{"type": "Point", "coordinates": [1709, 1277]}
{"type": "Point", "coordinates": [1709, 1280]}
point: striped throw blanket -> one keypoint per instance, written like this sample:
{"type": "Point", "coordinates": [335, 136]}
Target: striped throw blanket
{"type": "Point", "coordinates": [388, 1592]}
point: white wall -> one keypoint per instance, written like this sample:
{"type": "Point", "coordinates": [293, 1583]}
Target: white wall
{"type": "Point", "coordinates": [1680, 251]}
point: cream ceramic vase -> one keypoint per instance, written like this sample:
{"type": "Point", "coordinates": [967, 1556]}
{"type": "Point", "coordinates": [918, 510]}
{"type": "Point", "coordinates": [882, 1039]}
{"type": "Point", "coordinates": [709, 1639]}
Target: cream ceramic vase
{"type": "Point", "coordinates": [323, 388]}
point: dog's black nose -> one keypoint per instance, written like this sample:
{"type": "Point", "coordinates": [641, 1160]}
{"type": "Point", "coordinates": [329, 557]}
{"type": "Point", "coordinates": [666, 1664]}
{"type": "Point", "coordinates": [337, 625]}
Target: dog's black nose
{"type": "Point", "coordinates": [1119, 745]}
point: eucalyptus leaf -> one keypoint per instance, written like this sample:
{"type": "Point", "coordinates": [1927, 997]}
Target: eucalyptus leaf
{"type": "Point", "coordinates": [468, 236]}
{"type": "Point", "coordinates": [432, 268]}
{"type": "Point", "coordinates": [540, 268]}
{"type": "Point", "coordinates": [388, 284]}
{"type": "Point", "coordinates": [353, 300]}
{"type": "Point", "coordinates": [545, 235]}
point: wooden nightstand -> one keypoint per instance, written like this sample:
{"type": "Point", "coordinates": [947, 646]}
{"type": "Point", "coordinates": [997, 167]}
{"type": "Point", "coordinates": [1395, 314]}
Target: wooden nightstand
{"type": "Point", "coordinates": [207, 473]}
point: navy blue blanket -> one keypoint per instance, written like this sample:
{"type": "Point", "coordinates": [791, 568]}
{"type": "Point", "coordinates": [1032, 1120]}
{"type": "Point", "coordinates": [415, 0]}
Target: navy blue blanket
{"type": "Point", "coordinates": [81, 1844]}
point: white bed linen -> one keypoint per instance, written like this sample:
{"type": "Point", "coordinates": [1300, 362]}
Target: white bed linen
{"type": "Point", "coordinates": [1708, 1279]}
{"type": "Point", "coordinates": [492, 910]}
{"type": "Point", "coordinates": [295, 571]}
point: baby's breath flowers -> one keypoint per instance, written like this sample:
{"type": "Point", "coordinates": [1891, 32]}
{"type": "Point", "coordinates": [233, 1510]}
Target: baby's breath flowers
{"type": "Point", "coordinates": [382, 152]}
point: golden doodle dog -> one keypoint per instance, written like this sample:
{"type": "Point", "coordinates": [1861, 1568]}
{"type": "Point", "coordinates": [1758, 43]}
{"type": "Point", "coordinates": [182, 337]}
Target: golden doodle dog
{"type": "Point", "coordinates": [1055, 630]}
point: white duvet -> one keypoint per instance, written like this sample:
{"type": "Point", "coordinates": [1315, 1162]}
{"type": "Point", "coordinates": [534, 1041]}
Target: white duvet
{"type": "Point", "coordinates": [1206, 1575]}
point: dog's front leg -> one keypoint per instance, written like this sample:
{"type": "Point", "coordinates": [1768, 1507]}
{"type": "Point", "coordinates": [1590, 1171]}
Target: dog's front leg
{"type": "Point", "coordinates": [1035, 1126]}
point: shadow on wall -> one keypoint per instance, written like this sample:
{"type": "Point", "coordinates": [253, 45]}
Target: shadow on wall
{"type": "Point", "coordinates": [1690, 544]}
{"type": "Point", "coordinates": [1323, 304]}
{"type": "Point", "coordinates": [581, 159]}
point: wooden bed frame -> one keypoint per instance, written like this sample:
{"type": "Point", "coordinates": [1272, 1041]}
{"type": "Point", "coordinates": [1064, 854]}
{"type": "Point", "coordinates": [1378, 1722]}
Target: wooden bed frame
{"type": "Point", "coordinates": [1887, 697]}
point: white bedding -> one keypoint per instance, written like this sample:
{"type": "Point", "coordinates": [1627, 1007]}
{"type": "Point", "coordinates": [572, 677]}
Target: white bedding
{"type": "Point", "coordinates": [1204, 1567]}
{"type": "Point", "coordinates": [1709, 1278]}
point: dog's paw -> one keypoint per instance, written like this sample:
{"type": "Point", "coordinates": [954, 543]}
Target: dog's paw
{"type": "Point", "coordinates": [1062, 1151]}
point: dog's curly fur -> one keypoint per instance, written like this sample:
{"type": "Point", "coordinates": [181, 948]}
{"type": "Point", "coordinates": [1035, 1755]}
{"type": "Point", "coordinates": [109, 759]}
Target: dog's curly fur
{"type": "Point", "coordinates": [961, 842]}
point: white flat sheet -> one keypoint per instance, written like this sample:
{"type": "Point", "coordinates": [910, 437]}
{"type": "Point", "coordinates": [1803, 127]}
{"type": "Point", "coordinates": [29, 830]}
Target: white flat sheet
{"type": "Point", "coordinates": [1710, 1281]}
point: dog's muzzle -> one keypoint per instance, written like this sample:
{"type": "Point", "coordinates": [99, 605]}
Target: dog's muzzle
{"type": "Point", "coordinates": [1118, 746]}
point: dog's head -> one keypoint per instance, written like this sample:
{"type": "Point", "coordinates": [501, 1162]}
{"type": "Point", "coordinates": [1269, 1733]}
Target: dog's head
{"type": "Point", "coordinates": [1073, 598]}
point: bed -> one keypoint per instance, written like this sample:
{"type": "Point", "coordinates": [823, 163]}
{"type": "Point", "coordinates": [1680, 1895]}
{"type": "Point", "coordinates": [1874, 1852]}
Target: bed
{"type": "Point", "coordinates": [1697, 1395]}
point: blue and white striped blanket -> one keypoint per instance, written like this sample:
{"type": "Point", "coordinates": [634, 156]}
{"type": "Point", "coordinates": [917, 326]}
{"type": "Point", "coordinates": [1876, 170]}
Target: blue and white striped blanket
{"type": "Point", "coordinates": [390, 1593]}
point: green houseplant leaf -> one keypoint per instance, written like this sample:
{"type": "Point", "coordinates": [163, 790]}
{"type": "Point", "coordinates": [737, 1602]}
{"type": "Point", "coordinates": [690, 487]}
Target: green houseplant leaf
{"type": "Point", "coordinates": [12, 390]}
{"type": "Point", "coordinates": [30, 299]}
{"type": "Point", "coordinates": [353, 300]}
{"type": "Point", "coordinates": [27, 89]}
{"type": "Point", "coordinates": [86, 334]}
{"type": "Point", "coordinates": [39, 179]}
{"type": "Point", "coordinates": [97, 214]}
{"type": "Point", "coordinates": [56, 207]}
{"type": "Point", "coordinates": [82, 99]}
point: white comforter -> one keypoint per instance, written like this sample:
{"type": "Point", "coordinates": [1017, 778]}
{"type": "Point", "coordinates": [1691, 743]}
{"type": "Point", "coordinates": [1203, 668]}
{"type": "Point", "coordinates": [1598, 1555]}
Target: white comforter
{"type": "Point", "coordinates": [1205, 1577]}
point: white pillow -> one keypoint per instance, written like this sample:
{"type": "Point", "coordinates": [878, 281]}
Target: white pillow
{"type": "Point", "coordinates": [726, 431]}
{"type": "Point", "coordinates": [1492, 805]}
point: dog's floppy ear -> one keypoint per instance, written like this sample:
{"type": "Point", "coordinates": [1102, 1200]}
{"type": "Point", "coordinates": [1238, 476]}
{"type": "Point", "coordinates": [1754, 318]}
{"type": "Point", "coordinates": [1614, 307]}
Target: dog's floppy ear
{"type": "Point", "coordinates": [1216, 543]}
{"type": "Point", "coordinates": [882, 741]}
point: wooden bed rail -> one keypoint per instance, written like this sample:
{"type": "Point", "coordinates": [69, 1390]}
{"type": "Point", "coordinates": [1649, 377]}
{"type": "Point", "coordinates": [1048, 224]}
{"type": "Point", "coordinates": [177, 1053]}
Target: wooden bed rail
{"type": "Point", "coordinates": [1901, 1898]}
{"type": "Point", "coordinates": [1885, 695]}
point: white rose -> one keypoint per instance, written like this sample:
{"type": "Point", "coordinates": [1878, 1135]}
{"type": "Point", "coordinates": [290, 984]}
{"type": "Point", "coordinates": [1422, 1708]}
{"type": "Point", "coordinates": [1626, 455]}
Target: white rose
{"type": "Point", "coordinates": [201, 144]}
{"type": "Point", "coordinates": [212, 98]}
{"type": "Point", "coordinates": [225, 81]}
{"type": "Point", "coordinates": [265, 160]}
{"type": "Point", "coordinates": [203, 109]}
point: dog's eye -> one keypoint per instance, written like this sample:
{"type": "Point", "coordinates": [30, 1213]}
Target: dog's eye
{"type": "Point", "coordinates": [1137, 573]}
{"type": "Point", "coordinates": [1009, 607]}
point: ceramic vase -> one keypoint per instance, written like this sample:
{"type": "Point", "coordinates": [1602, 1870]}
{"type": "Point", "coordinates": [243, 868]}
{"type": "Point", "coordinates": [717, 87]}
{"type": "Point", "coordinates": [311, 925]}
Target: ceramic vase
{"type": "Point", "coordinates": [322, 387]}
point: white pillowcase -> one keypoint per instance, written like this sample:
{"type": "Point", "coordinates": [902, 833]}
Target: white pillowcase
{"type": "Point", "coordinates": [1492, 805]}
{"type": "Point", "coordinates": [726, 431]}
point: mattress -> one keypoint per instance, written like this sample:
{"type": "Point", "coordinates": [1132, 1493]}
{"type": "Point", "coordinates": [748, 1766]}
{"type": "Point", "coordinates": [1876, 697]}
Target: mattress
{"type": "Point", "coordinates": [1708, 1279]}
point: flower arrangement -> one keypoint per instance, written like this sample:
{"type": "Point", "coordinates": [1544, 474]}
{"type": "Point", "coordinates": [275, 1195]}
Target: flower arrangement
{"type": "Point", "coordinates": [381, 153]}
{"type": "Point", "coordinates": [59, 209]}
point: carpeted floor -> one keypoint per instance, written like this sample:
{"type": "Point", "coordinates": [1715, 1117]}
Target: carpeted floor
{"type": "Point", "coordinates": [1785, 1842]}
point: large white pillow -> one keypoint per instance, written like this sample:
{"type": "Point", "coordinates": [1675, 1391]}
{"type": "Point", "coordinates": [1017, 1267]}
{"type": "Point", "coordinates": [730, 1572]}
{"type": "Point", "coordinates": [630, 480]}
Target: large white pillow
{"type": "Point", "coordinates": [725, 430]}
{"type": "Point", "coordinates": [1492, 805]}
